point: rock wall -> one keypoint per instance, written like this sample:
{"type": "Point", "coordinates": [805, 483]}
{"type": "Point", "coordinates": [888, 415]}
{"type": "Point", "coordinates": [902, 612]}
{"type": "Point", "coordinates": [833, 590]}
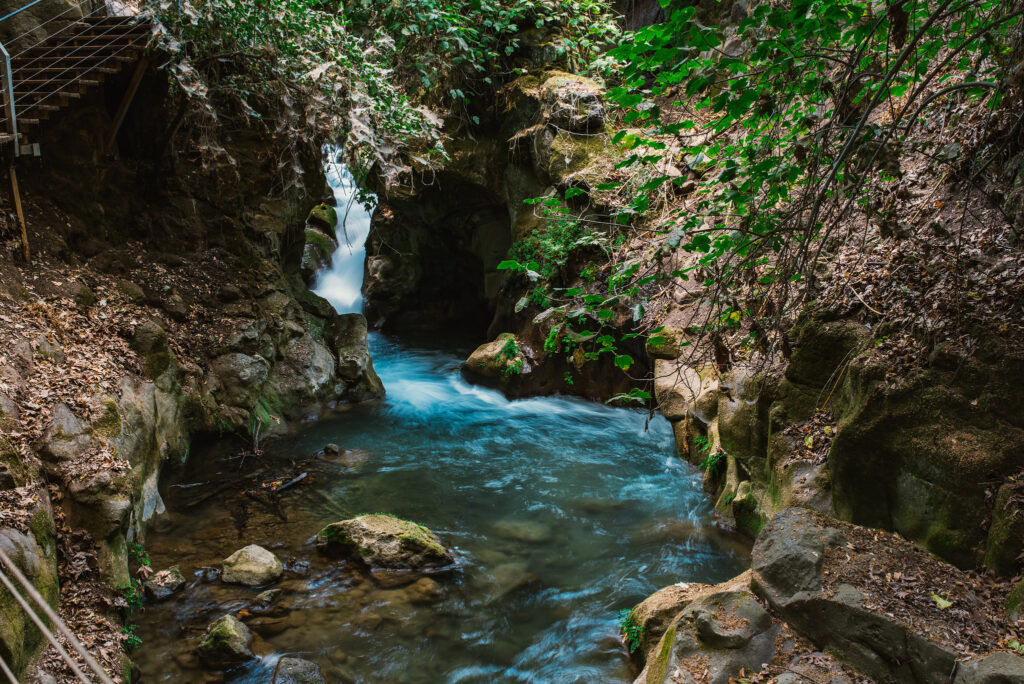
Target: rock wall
{"type": "Point", "coordinates": [933, 454]}
{"type": "Point", "coordinates": [185, 272]}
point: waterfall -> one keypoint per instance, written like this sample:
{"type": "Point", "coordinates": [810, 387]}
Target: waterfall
{"type": "Point", "coordinates": [342, 283]}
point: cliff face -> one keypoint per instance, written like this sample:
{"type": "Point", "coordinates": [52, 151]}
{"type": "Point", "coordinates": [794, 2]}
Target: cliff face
{"type": "Point", "coordinates": [164, 302]}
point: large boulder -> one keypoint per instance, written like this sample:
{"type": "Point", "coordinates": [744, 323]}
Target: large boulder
{"type": "Point", "coordinates": [386, 542]}
{"type": "Point", "coordinates": [572, 103]}
{"type": "Point", "coordinates": [875, 600]}
{"type": "Point", "coordinates": [226, 642]}
{"type": "Point", "coordinates": [252, 566]}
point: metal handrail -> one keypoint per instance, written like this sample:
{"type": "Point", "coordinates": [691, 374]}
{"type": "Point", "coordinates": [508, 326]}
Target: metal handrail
{"type": "Point", "coordinates": [8, 78]}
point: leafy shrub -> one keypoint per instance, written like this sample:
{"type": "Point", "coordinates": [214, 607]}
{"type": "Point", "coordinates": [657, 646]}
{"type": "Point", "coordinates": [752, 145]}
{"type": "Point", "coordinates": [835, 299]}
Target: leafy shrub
{"type": "Point", "coordinates": [632, 631]}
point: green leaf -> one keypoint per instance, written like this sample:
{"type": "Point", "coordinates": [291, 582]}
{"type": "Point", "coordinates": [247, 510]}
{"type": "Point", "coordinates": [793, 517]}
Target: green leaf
{"type": "Point", "coordinates": [942, 603]}
{"type": "Point", "coordinates": [624, 361]}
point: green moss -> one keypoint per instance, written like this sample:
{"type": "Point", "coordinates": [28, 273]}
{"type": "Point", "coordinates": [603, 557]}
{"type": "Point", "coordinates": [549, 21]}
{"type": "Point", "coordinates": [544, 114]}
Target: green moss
{"type": "Point", "coordinates": [108, 425]}
{"type": "Point", "coordinates": [320, 242]}
{"type": "Point", "coordinates": [590, 158]}
{"type": "Point", "coordinates": [656, 669]}
{"type": "Point", "coordinates": [1014, 604]}
{"type": "Point", "coordinates": [323, 216]}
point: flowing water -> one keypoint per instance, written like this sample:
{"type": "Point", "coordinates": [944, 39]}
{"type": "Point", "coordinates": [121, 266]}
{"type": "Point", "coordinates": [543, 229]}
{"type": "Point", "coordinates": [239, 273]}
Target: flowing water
{"type": "Point", "coordinates": [561, 512]}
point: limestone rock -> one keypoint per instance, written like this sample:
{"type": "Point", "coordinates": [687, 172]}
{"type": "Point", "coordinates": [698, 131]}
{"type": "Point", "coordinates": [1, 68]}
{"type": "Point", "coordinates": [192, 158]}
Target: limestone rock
{"type": "Point", "coordinates": [317, 252]}
{"type": "Point", "coordinates": [572, 103]}
{"type": "Point", "coordinates": [226, 642]}
{"type": "Point", "coordinates": [499, 362]}
{"type": "Point", "coordinates": [714, 638]}
{"type": "Point", "coordinates": [995, 668]}
{"type": "Point", "coordinates": [789, 559]}
{"type": "Point", "coordinates": [324, 217]}
{"type": "Point", "coordinates": [676, 387]}
{"type": "Point", "coordinates": [385, 541]}
{"type": "Point", "coordinates": [239, 378]}
{"type": "Point", "coordinates": [253, 566]}
{"type": "Point", "coordinates": [297, 671]}
{"type": "Point", "coordinates": [165, 583]}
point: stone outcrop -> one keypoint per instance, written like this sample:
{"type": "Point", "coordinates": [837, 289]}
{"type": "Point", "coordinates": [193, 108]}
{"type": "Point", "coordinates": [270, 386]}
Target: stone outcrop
{"type": "Point", "coordinates": [874, 603]}
{"type": "Point", "coordinates": [384, 541]}
{"type": "Point", "coordinates": [802, 567]}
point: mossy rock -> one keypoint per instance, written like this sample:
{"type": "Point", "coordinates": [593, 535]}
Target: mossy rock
{"type": "Point", "coordinates": [1014, 604]}
{"type": "Point", "coordinates": [325, 217]}
{"type": "Point", "coordinates": [575, 159]}
{"type": "Point", "coordinates": [1005, 542]}
{"type": "Point", "coordinates": [667, 343]}
{"type": "Point", "coordinates": [108, 425]}
{"type": "Point", "coordinates": [499, 361]}
{"type": "Point", "coordinates": [226, 642]}
{"type": "Point", "coordinates": [385, 541]}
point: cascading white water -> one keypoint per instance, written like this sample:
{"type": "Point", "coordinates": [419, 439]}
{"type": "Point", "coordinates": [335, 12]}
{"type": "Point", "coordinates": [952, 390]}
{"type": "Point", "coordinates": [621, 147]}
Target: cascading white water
{"type": "Point", "coordinates": [342, 283]}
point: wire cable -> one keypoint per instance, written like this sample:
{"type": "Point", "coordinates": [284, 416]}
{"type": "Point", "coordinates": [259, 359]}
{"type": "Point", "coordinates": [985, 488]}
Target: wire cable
{"type": "Point", "coordinates": [7, 671]}
{"type": "Point", "coordinates": [74, 79]}
{"type": "Point", "coordinates": [54, 618]}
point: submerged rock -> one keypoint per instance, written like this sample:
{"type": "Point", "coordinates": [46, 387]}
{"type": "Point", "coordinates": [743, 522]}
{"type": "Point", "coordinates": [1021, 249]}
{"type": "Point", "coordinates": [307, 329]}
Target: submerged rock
{"type": "Point", "coordinates": [523, 531]}
{"type": "Point", "coordinates": [385, 541]}
{"type": "Point", "coordinates": [297, 671]}
{"type": "Point", "coordinates": [226, 642]}
{"type": "Point", "coordinates": [165, 583]}
{"type": "Point", "coordinates": [253, 566]}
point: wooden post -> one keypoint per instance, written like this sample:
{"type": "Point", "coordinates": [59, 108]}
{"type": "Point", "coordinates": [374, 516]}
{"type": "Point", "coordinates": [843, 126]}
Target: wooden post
{"type": "Point", "coordinates": [16, 193]}
{"type": "Point", "coordinates": [126, 102]}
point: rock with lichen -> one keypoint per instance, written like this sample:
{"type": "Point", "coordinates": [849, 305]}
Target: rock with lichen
{"type": "Point", "coordinates": [226, 642]}
{"type": "Point", "coordinates": [386, 542]}
{"type": "Point", "coordinates": [252, 566]}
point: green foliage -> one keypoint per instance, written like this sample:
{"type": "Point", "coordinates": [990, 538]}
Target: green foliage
{"type": "Point", "coordinates": [131, 593]}
{"type": "Point", "coordinates": [512, 355]}
{"type": "Point", "coordinates": [783, 127]}
{"type": "Point", "coordinates": [453, 47]}
{"type": "Point", "coordinates": [129, 638]}
{"type": "Point", "coordinates": [545, 251]}
{"type": "Point", "coordinates": [296, 66]}
{"type": "Point", "coordinates": [632, 631]}
{"type": "Point", "coordinates": [137, 553]}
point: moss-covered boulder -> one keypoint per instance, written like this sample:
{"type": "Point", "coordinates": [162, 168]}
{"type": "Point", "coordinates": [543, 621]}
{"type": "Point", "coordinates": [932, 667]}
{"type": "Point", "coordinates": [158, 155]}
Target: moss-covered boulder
{"type": "Point", "coordinates": [227, 642]}
{"type": "Point", "coordinates": [386, 542]}
{"type": "Point", "coordinates": [317, 252]}
{"type": "Point", "coordinates": [572, 103]}
{"type": "Point", "coordinates": [324, 217]}
{"type": "Point", "coordinates": [252, 566]}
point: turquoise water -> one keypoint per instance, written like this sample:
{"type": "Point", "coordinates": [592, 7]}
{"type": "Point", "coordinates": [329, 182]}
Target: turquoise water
{"type": "Point", "coordinates": [561, 512]}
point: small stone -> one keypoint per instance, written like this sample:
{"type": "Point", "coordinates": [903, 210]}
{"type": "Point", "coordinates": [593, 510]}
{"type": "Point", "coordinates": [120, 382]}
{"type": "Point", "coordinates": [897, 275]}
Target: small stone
{"type": "Point", "coordinates": [83, 296]}
{"type": "Point", "coordinates": [297, 671]}
{"type": "Point", "coordinates": [252, 566]}
{"type": "Point", "coordinates": [425, 590]}
{"type": "Point", "coordinates": [332, 449]}
{"type": "Point", "coordinates": [226, 642]}
{"type": "Point", "coordinates": [267, 597]}
{"type": "Point", "coordinates": [175, 307]}
{"type": "Point", "coordinates": [229, 293]}
{"type": "Point", "coordinates": [165, 583]}
{"type": "Point", "coordinates": [51, 351]}
{"type": "Point", "coordinates": [132, 291]}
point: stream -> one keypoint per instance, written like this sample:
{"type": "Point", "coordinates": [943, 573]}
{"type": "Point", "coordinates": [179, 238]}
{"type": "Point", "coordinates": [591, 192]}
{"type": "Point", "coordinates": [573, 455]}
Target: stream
{"type": "Point", "coordinates": [561, 513]}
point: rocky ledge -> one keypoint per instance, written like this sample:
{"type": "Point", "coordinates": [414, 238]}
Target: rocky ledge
{"type": "Point", "coordinates": [833, 602]}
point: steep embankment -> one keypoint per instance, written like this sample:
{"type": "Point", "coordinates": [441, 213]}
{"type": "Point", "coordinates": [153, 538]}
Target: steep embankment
{"type": "Point", "coordinates": [886, 393]}
{"type": "Point", "coordinates": [165, 302]}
